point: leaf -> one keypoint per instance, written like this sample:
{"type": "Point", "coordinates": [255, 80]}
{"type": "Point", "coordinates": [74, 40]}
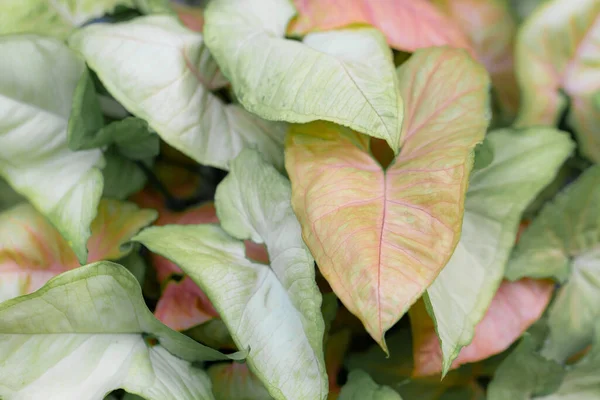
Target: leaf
{"type": "Point", "coordinates": [491, 29]}
{"type": "Point", "coordinates": [86, 119]}
{"type": "Point", "coordinates": [335, 351]}
{"type": "Point", "coordinates": [525, 373]}
{"type": "Point", "coordinates": [514, 308]}
{"type": "Point", "coordinates": [174, 96]}
{"type": "Point", "coordinates": [82, 335]}
{"type": "Point", "coordinates": [136, 264]}
{"type": "Point", "coordinates": [524, 163]}
{"type": "Point", "coordinates": [283, 297]}
{"type": "Point", "coordinates": [8, 197]}
{"type": "Point", "coordinates": [54, 18]}
{"type": "Point", "coordinates": [407, 24]}
{"type": "Point", "coordinates": [183, 305]}
{"type": "Point", "coordinates": [122, 177]}
{"type": "Point", "coordinates": [562, 243]}
{"type": "Point", "coordinates": [329, 76]}
{"type": "Point", "coordinates": [556, 54]}
{"type": "Point", "coordinates": [236, 381]}
{"type": "Point", "coordinates": [32, 251]}
{"type": "Point", "coordinates": [371, 231]}
{"type": "Point", "coordinates": [360, 386]}
{"type": "Point", "coordinates": [581, 381]}
{"type": "Point", "coordinates": [37, 79]}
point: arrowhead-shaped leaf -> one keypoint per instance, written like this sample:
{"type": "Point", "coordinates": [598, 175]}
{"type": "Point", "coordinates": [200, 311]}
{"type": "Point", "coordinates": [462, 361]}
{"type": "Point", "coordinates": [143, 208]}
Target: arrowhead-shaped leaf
{"type": "Point", "coordinates": [82, 335]}
{"type": "Point", "coordinates": [37, 79]}
{"type": "Point", "coordinates": [286, 345]}
{"type": "Point", "coordinates": [524, 163]}
{"type": "Point", "coordinates": [562, 242]}
{"type": "Point", "coordinates": [168, 84]}
{"type": "Point", "coordinates": [380, 237]}
{"type": "Point", "coordinates": [556, 52]}
{"type": "Point", "coordinates": [32, 251]}
{"type": "Point", "coordinates": [360, 386]}
{"type": "Point", "coordinates": [329, 76]}
{"type": "Point", "coordinates": [407, 24]}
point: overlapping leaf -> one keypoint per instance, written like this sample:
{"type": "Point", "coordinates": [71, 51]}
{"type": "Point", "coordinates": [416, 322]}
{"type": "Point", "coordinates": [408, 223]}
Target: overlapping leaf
{"type": "Point", "coordinates": [557, 55]}
{"type": "Point", "coordinates": [329, 76]}
{"type": "Point", "coordinates": [380, 237]}
{"type": "Point", "coordinates": [524, 163]}
{"type": "Point", "coordinates": [562, 242]}
{"type": "Point", "coordinates": [82, 335]}
{"type": "Point", "coordinates": [168, 84]}
{"type": "Point", "coordinates": [407, 24]}
{"type": "Point", "coordinates": [32, 251]}
{"type": "Point", "coordinates": [37, 79]}
{"type": "Point", "coordinates": [491, 30]}
{"type": "Point", "coordinates": [273, 312]}
{"type": "Point", "coordinates": [59, 18]}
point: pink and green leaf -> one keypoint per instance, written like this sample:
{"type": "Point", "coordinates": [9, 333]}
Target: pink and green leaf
{"type": "Point", "coordinates": [491, 30]}
{"type": "Point", "coordinates": [32, 251]}
{"type": "Point", "coordinates": [407, 24]}
{"type": "Point", "coordinates": [557, 55]}
{"type": "Point", "coordinates": [371, 230]}
{"type": "Point", "coordinates": [515, 307]}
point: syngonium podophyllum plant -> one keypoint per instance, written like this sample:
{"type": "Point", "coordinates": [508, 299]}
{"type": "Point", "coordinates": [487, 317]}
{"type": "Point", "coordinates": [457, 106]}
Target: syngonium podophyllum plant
{"type": "Point", "coordinates": [303, 200]}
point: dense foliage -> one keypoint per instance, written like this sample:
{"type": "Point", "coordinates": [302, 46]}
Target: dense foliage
{"type": "Point", "coordinates": [300, 200]}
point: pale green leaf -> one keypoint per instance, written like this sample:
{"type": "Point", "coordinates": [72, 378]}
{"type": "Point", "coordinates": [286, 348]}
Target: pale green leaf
{"type": "Point", "coordinates": [173, 96]}
{"type": "Point", "coordinates": [525, 373]}
{"type": "Point", "coordinates": [329, 76]}
{"type": "Point", "coordinates": [360, 386]}
{"type": "Point", "coordinates": [524, 163]}
{"type": "Point", "coordinates": [84, 334]}
{"type": "Point", "coordinates": [235, 381]}
{"type": "Point", "coordinates": [574, 312]}
{"type": "Point", "coordinates": [286, 347]}
{"type": "Point", "coordinates": [581, 381]}
{"type": "Point", "coordinates": [565, 228]}
{"type": "Point", "coordinates": [37, 79]}
{"type": "Point", "coordinates": [55, 18]}
{"type": "Point", "coordinates": [562, 242]}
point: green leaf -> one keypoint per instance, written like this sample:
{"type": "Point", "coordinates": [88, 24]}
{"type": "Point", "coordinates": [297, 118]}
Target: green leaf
{"type": "Point", "coordinates": [135, 264]}
{"type": "Point", "coordinates": [86, 119]}
{"type": "Point", "coordinates": [133, 138]}
{"type": "Point", "coordinates": [524, 374]}
{"type": "Point", "coordinates": [253, 201]}
{"type": "Point", "coordinates": [85, 333]}
{"type": "Point", "coordinates": [562, 242]}
{"type": "Point", "coordinates": [329, 76]}
{"type": "Point", "coordinates": [484, 155]}
{"type": "Point", "coordinates": [524, 163]}
{"type": "Point", "coordinates": [235, 381]}
{"type": "Point", "coordinates": [37, 79]}
{"type": "Point", "coordinates": [581, 381]}
{"type": "Point", "coordinates": [122, 177]}
{"type": "Point", "coordinates": [360, 386]}
{"type": "Point", "coordinates": [556, 58]}
{"type": "Point", "coordinates": [8, 197]}
{"type": "Point", "coordinates": [174, 96]}
{"type": "Point", "coordinates": [565, 228]}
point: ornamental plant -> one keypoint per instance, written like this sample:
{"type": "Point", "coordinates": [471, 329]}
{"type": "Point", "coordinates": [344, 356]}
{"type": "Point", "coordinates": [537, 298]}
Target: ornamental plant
{"type": "Point", "coordinates": [299, 200]}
